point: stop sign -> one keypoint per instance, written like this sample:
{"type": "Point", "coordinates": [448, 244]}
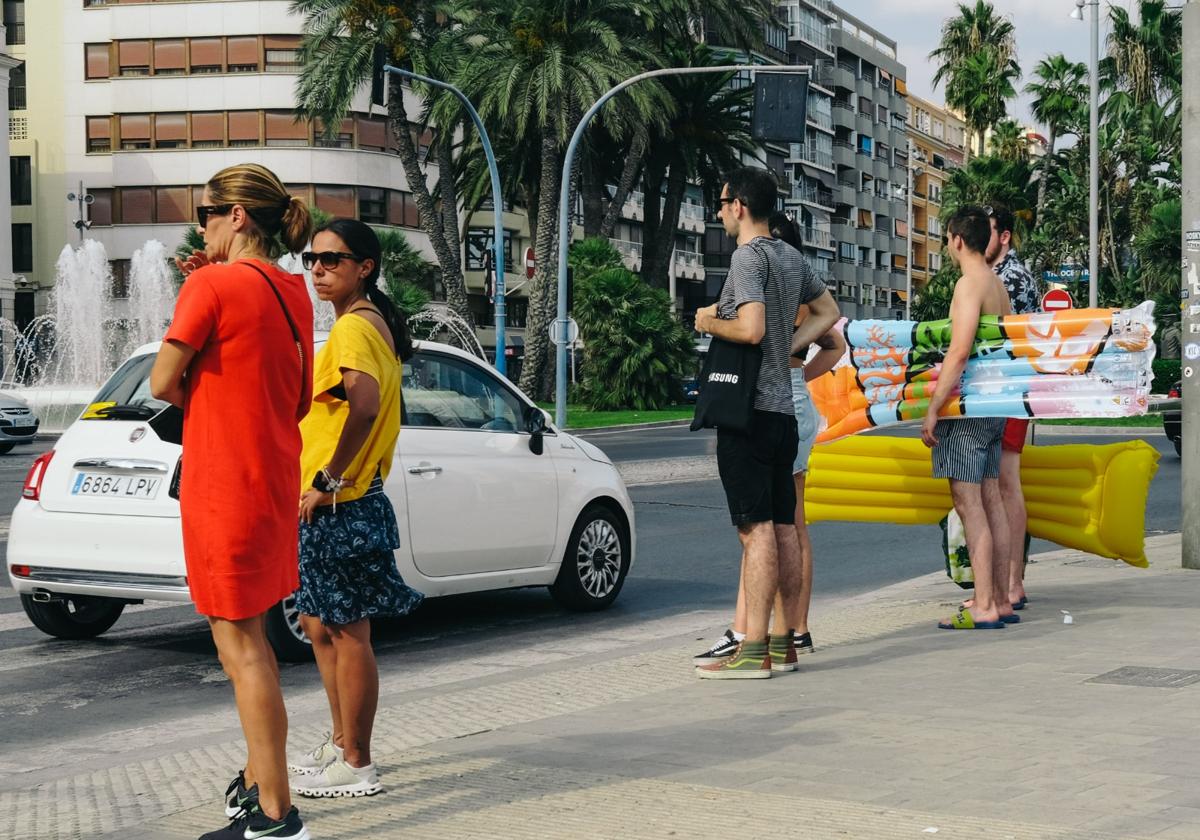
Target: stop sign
{"type": "Point", "coordinates": [529, 263]}
{"type": "Point", "coordinates": [1056, 300]}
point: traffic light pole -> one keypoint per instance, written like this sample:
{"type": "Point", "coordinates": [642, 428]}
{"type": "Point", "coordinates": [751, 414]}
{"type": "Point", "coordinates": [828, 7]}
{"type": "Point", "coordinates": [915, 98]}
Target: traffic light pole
{"type": "Point", "coordinates": [497, 204]}
{"type": "Point", "coordinates": [1190, 291]}
{"type": "Point", "coordinates": [564, 210]}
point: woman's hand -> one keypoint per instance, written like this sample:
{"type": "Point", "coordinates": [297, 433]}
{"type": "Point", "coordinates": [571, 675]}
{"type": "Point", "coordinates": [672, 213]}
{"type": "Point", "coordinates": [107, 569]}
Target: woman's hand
{"type": "Point", "coordinates": [310, 501]}
{"type": "Point", "coordinates": [198, 259]}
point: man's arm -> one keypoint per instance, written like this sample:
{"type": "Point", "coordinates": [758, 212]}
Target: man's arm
{"type": "Point", "coordinates": [833, 347]}
{"type": "Point", "coordinates": [964, 324]}
{"type": "Point", "coordinates": [748, 327]}
{"type": "Point", "coordinates": [823, 313]}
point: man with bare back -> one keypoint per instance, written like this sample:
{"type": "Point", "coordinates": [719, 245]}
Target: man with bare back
{"type": "Point", "coordinates": [967, 450]}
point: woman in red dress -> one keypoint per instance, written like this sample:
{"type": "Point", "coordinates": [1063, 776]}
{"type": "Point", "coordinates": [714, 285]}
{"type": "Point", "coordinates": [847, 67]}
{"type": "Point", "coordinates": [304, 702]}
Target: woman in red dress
{"type": "Point", "coordinates": [237, 359]}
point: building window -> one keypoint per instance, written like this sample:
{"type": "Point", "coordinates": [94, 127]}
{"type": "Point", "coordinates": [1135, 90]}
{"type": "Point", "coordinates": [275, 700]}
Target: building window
{"type": "Point", "coordinates": [16, 88]}
{"type": "Point", "coordinates": [336, 201]}
{"type": "Point", "coordinates": [208, 130]}
{"type": "Point", "coordinates": [866, 294]}
{"type": "Point", "coordinates": [935, 261]}
{"type": "Point", "coordinates": [282, 53]}
{"type": "Point", "coordinates": [846, 252]}
{"type": "Point", "coordinates": [170, 131]}
{"type": "Point", "coordinates": [120, 278]}
{"type": "Point", "coordinates": [22, 247]}
{"type": "Point", "coordinates": [372, 205]}
{"type": "Point", "coordinates": [845, 291]}
{"type": "Point", "coordinates": [372, 133]}
{"type": "Point", "coordinates": [96, 58]}
{"type": "Point", "coordinates": [244, 128]}
{"type": "Point", "coordinates": [284, 130]}
{"type": "Point", "coordinates": [133, 58]}
{"type": "Point", "coordinates": [343, 139]}
{"type": "Point", "coordinates": [882, 296]}
{"type": "Point", "coordinates": [479, 243]}
{"type": "Point", "coordinates": [207, 55]}
{"type": "Point", "coordinates": [169, 57]}
{"type": "Point", "coordinates": [137, 205]}
{"type": "Point", "coordinates": [99, 134]}
{"type": "Point", "coordinates": [171, 205]}
{"type": "Point", "coordinates": [21, 183]}
{"type": "Point", "coordinates": [101, 212]}
{"type": "Point", "coordinates": [135, 131]}
{"type": "Point", "coordinates": [14, 22]}
{"type": "Point", "coordinates": [243, 54]}
{"type": "Point", "coordinates": [402, 210]}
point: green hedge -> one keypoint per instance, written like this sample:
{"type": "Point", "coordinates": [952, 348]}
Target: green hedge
{"type": "Point", "coordinates": [1166, 374]}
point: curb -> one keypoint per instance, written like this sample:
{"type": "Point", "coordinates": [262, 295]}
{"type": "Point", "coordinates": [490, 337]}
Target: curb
{"type": "Point", "coordinates": [628, 427]}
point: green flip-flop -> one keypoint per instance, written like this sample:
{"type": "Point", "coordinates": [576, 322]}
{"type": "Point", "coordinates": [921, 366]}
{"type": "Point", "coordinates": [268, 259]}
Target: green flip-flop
{"type": "Point", "coordinates": [963, 620]}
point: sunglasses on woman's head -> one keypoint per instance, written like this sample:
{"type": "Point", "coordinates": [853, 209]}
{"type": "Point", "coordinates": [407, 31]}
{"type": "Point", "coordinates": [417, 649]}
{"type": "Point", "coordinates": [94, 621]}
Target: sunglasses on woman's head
{"type": "Point", "coordinates": [203, 211]}
{"type": "Point", "coordinates": [328, 259]}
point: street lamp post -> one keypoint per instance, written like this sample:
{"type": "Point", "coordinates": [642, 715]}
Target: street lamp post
{"type": "Point", "coordinates": [564, 211]}
{"type": "Point", "coordinates": [1093, 148]}
{"type": "Point", "coordinates": [82, 199]}
{"type": "Point", "coordinates": [497, 204]}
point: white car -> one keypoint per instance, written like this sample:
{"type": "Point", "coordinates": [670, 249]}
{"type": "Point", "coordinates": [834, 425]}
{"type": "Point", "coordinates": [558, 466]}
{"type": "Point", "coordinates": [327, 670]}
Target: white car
{"type": "Point", "coordinates": [18, 424]}
{"type": "Point", "coordinates": [487, 496]}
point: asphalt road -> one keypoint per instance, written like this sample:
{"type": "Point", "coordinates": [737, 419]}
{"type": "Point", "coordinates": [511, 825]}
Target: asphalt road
{"type": "Point", "coordinates": [687, 561]}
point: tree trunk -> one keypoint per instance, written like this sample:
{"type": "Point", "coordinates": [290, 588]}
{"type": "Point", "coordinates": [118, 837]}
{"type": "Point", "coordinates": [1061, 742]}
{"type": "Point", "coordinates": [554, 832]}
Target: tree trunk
{"type": "Point", "coordinates": [657, 273]}
{"type": "Point", "coordinates": [653, 177]}
{"type": "Point", "coordinates": [543, 289]}
{"type": "Point", "coordinates": [446, 249]}
{"type": "Point", "coordinates": [593, 191]}
{"type": "Point", "coordinates": [628, 178]}
{"type": "Point", "coordinates": [456, 292]}
{"type": "Point", "coordinates": [1047, 163]}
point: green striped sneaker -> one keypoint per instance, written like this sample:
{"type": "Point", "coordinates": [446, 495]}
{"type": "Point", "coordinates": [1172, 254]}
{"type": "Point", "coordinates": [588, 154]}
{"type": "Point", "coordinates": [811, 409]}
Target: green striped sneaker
{"type": "Point", "coordinates": [751, 662]}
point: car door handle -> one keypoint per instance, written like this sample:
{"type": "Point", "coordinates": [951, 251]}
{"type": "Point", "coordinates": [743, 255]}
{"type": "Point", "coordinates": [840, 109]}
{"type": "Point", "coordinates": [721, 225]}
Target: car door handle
{"type": "Point", "coordinates": [423, 470]}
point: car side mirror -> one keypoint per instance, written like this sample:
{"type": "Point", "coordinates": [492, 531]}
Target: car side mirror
{"type": "Point", "coordinates": [535, 424]}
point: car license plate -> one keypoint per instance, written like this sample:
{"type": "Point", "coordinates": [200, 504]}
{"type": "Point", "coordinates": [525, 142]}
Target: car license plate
{"type": "Point", "coordinates": [115, 486]}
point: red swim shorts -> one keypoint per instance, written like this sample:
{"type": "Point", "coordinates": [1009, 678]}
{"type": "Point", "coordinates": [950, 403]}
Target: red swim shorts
{"type": "Point", "coordinates": [1014, 434]}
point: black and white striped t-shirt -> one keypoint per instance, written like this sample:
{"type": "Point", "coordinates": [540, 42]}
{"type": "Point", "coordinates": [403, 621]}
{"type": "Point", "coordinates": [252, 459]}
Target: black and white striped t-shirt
{"type": "Point", "coordinates": [789, 283]}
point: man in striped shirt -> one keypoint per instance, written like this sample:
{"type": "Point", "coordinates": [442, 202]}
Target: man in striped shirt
{"type": "Point", "coordinates": [966, 450]}
{"type": "Point", "coordinates": [767, 282]}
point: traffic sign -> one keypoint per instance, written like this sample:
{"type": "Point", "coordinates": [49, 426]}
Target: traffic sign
{"type": "Point", "coordinates": [556, 333]}
{"type": "Point", "coordinates": [1056, 300]}
{"type": "Point", "coordinates": [529, 263]}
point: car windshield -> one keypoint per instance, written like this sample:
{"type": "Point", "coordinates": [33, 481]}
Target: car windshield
{"type": "Point", "coordinates": [126, 393]}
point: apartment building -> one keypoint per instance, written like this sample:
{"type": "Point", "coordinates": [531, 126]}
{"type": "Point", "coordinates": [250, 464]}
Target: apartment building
{"type": "Point", "coordinates": [17, 299]}
{"type": "Point", "coordinates": [938, 138]}
{"type": "Point", "coordinates": [13, 178]}
{"type": "Point", "coordinates": [871, 160]}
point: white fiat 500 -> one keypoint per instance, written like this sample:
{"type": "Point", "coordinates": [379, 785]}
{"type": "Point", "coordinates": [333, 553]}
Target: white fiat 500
{"type": "Point", "coordinates": [487, 496]}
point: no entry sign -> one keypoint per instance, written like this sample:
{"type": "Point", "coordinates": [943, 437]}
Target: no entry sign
{"type": "Point", "coordinates": [1056, 299]}
{"type": "Point", "coordinates": [530, 263]}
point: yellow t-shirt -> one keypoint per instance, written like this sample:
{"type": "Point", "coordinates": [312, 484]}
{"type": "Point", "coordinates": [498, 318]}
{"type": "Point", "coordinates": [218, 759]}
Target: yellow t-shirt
{"type": "Point", "coordinates": [354, 344]}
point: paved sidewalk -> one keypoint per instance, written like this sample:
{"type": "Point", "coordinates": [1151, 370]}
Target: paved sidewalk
{"type": "Point", "coordinates": [893, 729]}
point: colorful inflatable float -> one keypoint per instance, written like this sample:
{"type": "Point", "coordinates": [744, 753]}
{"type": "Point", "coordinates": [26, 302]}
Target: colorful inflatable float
{"type": "Point", "coordinates": [1070, 363]}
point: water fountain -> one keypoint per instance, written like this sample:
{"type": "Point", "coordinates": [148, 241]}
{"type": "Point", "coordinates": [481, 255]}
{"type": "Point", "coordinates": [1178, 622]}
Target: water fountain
{"type": "Point", "coordinates": [151, 296]}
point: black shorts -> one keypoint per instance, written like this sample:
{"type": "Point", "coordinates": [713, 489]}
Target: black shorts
{"type": "Point", "coordinates": [756, 469]}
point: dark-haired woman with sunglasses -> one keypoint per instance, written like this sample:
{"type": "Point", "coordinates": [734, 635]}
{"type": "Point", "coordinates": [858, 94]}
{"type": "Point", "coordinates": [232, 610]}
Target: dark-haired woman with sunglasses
{"type": "Point", "coordinates": [348, 530]}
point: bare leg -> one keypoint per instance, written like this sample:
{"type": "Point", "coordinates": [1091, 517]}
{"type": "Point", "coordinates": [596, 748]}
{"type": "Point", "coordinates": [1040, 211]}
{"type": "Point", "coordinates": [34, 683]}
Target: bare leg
{"type": "Point", "coordinates": [761, 573]}
{"type": "Point", "coordinates": [787, 598]}
{"type": "Point", "coordinates": [997, 518]}
{"type": "Point", "coordinates": [739, 612]}
{"type": "Point", "coordinates": [806, 558]}
{"type": "Point", "coordinates": [357, 688]}
{"type": "Point", "coordinates": [1018, 522]}
{"type": "Point", "coordinates": [250, 663]}
{"type": "Point", "coordinates": [968, 501]}
{"type": "Point", "coordinates": [326, 654]}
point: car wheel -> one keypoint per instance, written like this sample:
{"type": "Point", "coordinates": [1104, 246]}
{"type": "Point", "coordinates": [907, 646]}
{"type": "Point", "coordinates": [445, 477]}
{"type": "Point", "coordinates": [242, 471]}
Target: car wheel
{"type": "Point", "coordinates": [73, 616]}
{"type": "Point", "coordinates": [1178, 446]}
{"type": "Point", "coordinates": [596, 561]}
{"type": "Point", "coordinates": [285, 633]}
{"type": "Point", "coordinates": [5, 448]}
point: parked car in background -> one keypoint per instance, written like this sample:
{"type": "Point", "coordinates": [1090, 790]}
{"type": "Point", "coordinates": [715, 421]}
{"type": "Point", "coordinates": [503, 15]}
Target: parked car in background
{"type": "Point", "coordinates": [488, 495]}
{"type": "Point", "coordinates": [18, 423]}
{"type": "Point", "coordinates": [1173, 419]}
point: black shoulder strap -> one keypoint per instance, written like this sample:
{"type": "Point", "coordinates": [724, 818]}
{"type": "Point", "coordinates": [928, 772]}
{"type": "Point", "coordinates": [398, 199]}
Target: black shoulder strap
{"type": "Point", "coordinates": [286, 314]}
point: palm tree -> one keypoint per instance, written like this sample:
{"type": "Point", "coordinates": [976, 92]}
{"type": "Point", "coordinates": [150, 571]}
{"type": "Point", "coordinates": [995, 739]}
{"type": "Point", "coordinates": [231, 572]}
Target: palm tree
{"type": "Point", "coordinates": [988, 180]}
{"type": "Point", "coordinates": [535, 66]}
{"type": "Point", "coordinates": [703, 140]}
{"type": "Point", "coordinates": [342, 40]}
{"type": "Point", "coordinates": [980, 85]}
{"type": "Point", "coordinates": [1058, 97]}
{"type": "Point", "coordinates": [1147, 54]}
{"type": "Point", "coordinates": [1009, 141]}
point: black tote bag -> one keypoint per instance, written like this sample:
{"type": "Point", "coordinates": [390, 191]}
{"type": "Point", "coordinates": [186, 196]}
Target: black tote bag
{"type": "Point", "coordinates": [729, 382]}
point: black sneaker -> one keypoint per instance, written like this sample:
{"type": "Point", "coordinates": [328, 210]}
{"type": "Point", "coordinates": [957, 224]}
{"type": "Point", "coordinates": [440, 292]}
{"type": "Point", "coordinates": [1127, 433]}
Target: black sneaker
{"type": "Point", "coordinates": [804, 644]}
{"type": "Point", "coordinates": [237, 798]}
{"type": "Point", "coordinates": [251, 824]}
{"type": "Point", "coordinates": [723, 647]}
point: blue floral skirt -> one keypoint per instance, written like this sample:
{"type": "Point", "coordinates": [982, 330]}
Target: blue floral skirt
{"type": "Point", "coordinates": [347, 569]}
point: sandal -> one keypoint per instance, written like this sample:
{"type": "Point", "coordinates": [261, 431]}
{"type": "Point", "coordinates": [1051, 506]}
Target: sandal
{"type": "Point", "coordinates": [963, 620]}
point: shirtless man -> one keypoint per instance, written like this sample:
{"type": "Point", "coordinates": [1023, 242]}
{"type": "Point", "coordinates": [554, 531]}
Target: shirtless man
{"type": "Point", "coordinates": [967, 450]}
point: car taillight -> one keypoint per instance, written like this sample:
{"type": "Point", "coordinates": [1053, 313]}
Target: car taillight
{"type": "Point", "coordinates": [1173, 393]}
{"type": "Point", "coordinates": [33, 481]}
{"type": "Point", "coordinates": [21, 571]}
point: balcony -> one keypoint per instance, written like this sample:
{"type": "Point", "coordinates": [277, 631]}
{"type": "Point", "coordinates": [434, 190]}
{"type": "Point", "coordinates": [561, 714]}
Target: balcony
{"type": "Point", "coordinates": [817, 36]}
{"type": "Point", "coordinates": [691, 217]}
{"type": "Point", "coordinates": [825, 6]}
{"type": "Point", "coordinates": [634, 206]}
{"type": "Point", "coordinates": [816, 237]}
{"type": "Point", "coordinates": [818, 118]}
{"type": "Point", "coordinates": [689, 265]}
{"type": "Point", "coordinates": [631, 253]}
{"type": "Point", "coordinates": [813, 194]}
{"type": "Point", "coordinates": [817, 157]}
{"type": "Point", "coordinates": [14, 34]}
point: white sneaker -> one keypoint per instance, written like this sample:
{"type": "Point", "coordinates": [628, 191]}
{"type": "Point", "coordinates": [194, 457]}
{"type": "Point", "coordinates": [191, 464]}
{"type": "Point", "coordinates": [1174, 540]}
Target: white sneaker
{"type": "Point", "coordinates": [317, 759]}
{"type": "Point", "coordinates": [338, 779]}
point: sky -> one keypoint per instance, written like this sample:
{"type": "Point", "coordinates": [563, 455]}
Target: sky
{"type": "Point", "coordinates": [1042, 27]}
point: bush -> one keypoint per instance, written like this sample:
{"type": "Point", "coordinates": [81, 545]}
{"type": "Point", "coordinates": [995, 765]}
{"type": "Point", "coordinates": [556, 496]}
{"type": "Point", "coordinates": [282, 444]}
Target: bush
{"type": "Point", "coordinates": [635, 348]}
{"type": "Point", "coordinates": [1166, 373]}
{"type": "Point", "coordinates": [591, 256]}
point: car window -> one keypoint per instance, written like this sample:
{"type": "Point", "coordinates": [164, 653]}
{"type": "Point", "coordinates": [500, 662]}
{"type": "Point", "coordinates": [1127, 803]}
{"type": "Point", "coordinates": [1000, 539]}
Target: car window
{"type": "Point", "coordinates": [444, 392]}
{"type": "Point", "coordinates": [130, 385]}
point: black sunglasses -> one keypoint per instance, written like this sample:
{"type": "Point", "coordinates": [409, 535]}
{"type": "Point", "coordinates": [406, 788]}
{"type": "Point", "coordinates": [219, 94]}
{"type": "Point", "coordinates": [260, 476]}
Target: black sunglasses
{"type": "Point", "coordinates": [725, 199]}
{"type": "Point", "coordinates": [328, 259]}
{"type": "Point", "coordinates": [203, 211]}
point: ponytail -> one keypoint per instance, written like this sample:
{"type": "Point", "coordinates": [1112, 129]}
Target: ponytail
{"type": "Point", "coordinates": [395, 320]}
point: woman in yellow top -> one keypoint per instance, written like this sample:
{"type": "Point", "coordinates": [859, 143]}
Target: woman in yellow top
{"type": "Point", "coordinates": [347, 526]}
